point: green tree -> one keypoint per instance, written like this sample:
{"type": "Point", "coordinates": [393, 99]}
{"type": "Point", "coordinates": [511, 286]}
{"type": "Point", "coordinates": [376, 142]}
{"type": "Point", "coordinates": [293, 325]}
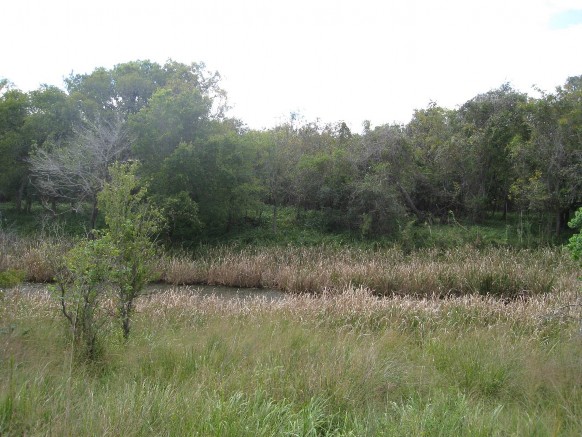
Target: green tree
{"type": "Point", "coordinates": [490, 123]}
{"type": "Point", "coordinates": [115, 264]}
{"type": "Point", "coordinates": [385, 169]}
{"type": "Point", "coordinates": [173, 115]}
{"type": "Point", "coordinates": [438, 179]}
{"type": "Point", "coordinates": [131, 225]}
{"type": "Point", "coordinates": [218, 175]}
{"type": "Point", "coordinates": [548, 164]}
{"type": "Point", "coordinates": [83, 287]}
{"type": "Point", "coordinates": [14, 145]}
{"type": "Point", "coordinates": [575, 242]}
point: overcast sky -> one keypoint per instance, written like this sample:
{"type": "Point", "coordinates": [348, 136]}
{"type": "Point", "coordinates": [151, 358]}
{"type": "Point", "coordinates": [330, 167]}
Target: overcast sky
{"type": "Point", "coordinates": [335, 60]}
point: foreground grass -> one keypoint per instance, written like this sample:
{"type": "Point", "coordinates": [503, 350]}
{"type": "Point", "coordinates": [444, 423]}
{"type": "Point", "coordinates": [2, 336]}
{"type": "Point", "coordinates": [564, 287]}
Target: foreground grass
{"type": "Point", "coordinates": [344, 363]}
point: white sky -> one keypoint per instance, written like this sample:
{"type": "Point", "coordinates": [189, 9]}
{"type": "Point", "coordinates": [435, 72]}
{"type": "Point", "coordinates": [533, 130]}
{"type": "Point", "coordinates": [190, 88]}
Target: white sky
{"type": "Point", "coordinates": [336, 60]}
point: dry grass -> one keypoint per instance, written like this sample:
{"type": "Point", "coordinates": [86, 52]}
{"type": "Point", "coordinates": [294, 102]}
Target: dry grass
{"type": "Point", "coordinates": [498, 272]}
{"type": "Point", "coordinates": [37, 258]}
{"type": "Point", "coordinates": [342, 363]}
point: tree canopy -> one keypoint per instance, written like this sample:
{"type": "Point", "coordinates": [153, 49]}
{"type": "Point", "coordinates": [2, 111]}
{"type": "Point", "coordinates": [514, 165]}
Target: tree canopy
{"type": "Point", "coordinates": [502, 151]}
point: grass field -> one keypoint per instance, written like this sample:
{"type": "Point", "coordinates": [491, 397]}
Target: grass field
{"type": "Point", "coordinates": [346, 363]}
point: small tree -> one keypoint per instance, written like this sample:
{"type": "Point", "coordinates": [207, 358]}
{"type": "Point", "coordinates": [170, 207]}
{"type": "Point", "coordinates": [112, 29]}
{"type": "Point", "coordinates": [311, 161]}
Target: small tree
{"type": "Point", "coordinates": [83, 288]}
{"type": "Point", "coordinates": [575, 247]}
{"type": "Point", "coordinates": [116, 264]}
{"type": "Point", "coordinates": [132, 223]}
{"type": "Point", "coordinates": [575, 243]}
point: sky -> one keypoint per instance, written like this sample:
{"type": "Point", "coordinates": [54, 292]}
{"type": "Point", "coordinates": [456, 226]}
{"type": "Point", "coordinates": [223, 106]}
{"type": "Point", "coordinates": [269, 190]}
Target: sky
{"type": "Point", "coordinates": [332, 60]}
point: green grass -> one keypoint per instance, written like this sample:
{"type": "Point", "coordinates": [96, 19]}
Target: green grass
{"type": "Point", "coordinates": [349, 364]}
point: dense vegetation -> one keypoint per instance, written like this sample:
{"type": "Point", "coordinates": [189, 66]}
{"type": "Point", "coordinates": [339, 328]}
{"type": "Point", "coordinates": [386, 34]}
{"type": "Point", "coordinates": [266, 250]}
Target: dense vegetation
{"type": "Point", "coordinates": [500, 153]}
{"type": "Point", "coordinates": [424, 294]}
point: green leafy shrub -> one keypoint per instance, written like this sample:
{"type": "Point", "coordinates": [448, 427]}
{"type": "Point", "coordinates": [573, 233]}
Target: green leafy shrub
{"type": "Point", "coordinates": [575, 243]}
{"type": "Point", "coordinates": [109, 271]}
{"type": "Point", "coordinates": [11, 277]}
{"type": "Point", "coordinates": [82, 289]}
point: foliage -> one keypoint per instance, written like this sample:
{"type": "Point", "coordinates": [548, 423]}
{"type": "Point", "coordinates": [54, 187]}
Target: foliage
{"type": "Point", "coordinates": [83, 289]}
{"type": "Point", "coordinates": [181, 214]}
{"type": "Point", "coordinates": [502, 152]}
{"type": "Point", "coordinates": [131, 224]}
{"type": "Point", "coordinates": [112, 266]}
{"type": "Point", "coordinates": [575, 243]}
{"type": "Point", "coordinates": [14, 145]}
{"type": "Point", "coordinates": [11, 277]}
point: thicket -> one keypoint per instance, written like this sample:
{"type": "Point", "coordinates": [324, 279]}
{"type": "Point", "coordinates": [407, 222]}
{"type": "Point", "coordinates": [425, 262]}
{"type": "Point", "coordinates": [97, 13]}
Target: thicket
{"type": "Point", "coordinates": [501, 154]}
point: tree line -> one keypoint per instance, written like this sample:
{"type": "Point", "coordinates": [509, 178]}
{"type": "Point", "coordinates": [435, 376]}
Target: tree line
{"type": "Point", "coordinates": [501, 152]}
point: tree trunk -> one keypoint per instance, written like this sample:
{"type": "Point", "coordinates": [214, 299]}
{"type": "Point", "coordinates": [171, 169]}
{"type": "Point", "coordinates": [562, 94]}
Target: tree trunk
{"type": "Point", "coordinates": [126, 310]}
{"type": "Point", "coordinates": [410, 203]}
{"type": "Point", "coordinates": [94, 213]}
{"type": "Point", "coordinates": [275, 218]}
{"type": "Point", "coordinates": [558, 222]}
{"type": "Point", "coordinates": [20, 195]}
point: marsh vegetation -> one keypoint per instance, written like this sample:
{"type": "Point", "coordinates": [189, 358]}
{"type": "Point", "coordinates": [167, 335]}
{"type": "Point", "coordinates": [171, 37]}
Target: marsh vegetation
{"type": "Point", "coordinates": [426, 287]}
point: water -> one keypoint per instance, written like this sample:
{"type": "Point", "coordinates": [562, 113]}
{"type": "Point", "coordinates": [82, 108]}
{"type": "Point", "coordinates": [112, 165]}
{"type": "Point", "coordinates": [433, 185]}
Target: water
{"type": "Point", "coordinates": [226, 293]}
{"type": "Point", "coordinates": [218, 291]}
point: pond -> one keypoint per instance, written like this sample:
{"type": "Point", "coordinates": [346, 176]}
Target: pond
{"type": "Point", "coordinates": [201, 290]}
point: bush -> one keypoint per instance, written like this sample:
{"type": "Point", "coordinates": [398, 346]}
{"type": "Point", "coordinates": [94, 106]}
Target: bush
{"type": "Point", "coordinates": [11, 277]}
{"type": "Point", "coordinates": [110, 270]}
{"type": "Point", "coordinates": [575, 243]}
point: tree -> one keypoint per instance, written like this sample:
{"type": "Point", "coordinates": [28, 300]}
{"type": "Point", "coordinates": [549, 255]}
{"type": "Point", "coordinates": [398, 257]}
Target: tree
{"type": "Point", "coordinates": [575, 242]}
{"type": "Point", "coordinates": [83, 287]}
{"type": "Point", "coordinates": [277, 157]}
{"type": "Point", "coordinates": [172, 116]}
{"type": "Point", "coordinates": [385, 169]}
{"type": "Point", "coordinates": [131, 225]}
{"type": "Point", "coordinates": [116, 263]}
{"type": "Point", "coordinates": [548, 164]}
{"type": "Point", "coordinates": [490, 123]}
{"type": "Point", "coordinates": [14, 144]}
{"type": "Point", "coordinates": [438, 174]}
{"type": "Point", "coordinates": [217, 173]}
{"type": "Point", "coordinates": [77, 170]}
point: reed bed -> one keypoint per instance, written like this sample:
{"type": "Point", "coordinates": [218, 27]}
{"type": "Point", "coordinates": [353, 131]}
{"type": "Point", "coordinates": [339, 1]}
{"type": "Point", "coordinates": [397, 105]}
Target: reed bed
{"type": "Point", "coordinates": [35, 258]}
{"type": "Point", "coordinates": [498, 272]}
{"type": "Point", "coordinates": [501, 272]}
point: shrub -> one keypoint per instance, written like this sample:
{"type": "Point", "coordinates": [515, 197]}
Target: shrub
{"type": "Point", "coordinates": [575, 243]}
{"type": "Point", "coordinates": [11, 277]}
{"type": "Point", "coordinates": [116, 264]}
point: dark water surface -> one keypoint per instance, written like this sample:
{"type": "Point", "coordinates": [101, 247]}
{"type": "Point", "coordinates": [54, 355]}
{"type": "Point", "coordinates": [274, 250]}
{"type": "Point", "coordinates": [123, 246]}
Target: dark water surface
{"type": "Point", "coordinates": [200, 290]}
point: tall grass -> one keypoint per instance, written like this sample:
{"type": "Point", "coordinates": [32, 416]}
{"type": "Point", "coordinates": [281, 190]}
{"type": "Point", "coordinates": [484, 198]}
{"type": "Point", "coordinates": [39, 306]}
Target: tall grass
{"type": "Point", "coordinates": [36, 258]}
{"type": "Point", "coordinates": [501, 272]}
{"type": "Point", "coordinates": [343, 363]}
